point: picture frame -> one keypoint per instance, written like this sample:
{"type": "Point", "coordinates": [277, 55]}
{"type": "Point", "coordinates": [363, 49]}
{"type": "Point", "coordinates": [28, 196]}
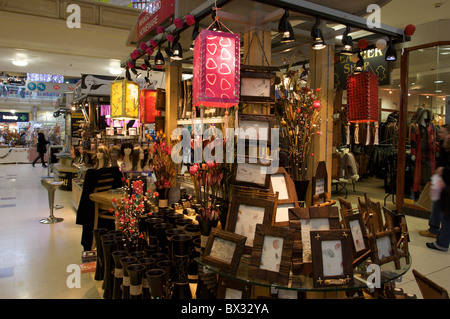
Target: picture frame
{"type": "Point", "coordinates": [360, 248]}
{"type": "Point", "coordinates": [224, 250]}
{"type": "Point", "coordinates": [383, 248]}
{"type": "Point", "coordinates": [332, 257]}
{"type": "Point", "coordinates": [229, 288]}
{"type": "Point", "coordinates": [320, 183]}
{"type": "Point", "coordinates": [257, 84]}
{"type": "Point", "coordinates": [282, 183]}
{"type": "Point", "coordinates": [248, 173]}
{"type": "Point", "coordinates": [257, 121]}
{"type": "Point", "coordinates": [271, 254]}
{"type": "Point", "coordinates": [397, 223]}
{"type": "Point", "coordinates": [303, 220]}
{"type": "Point", "coordinates": [245, 213]}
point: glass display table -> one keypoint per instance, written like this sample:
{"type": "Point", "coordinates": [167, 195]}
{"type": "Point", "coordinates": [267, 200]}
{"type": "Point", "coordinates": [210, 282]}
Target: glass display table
{"type": "Point", "coordinates": [362, 274]}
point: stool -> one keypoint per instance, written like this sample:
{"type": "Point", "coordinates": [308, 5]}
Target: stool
{"type": "Point", "coordinates": [51, 187]}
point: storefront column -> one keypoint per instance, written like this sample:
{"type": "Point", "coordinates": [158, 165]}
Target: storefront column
{"type": "Point", "coordinates": [322, 76]}
{"type": "Point", "coordinates": [172, 80]}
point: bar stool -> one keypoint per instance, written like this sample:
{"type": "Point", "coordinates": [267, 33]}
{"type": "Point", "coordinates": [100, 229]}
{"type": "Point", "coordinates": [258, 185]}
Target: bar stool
{"type": "Point", "coordinates": [51, 187]}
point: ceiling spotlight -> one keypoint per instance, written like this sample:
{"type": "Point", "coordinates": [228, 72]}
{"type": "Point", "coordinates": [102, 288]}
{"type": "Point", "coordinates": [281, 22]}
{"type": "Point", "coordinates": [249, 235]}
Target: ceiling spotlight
{"type": "Point", "coordinates": [194, 35]}
{"type": "Point", "coordinates": [136, 73]}
{"type": "Point", "coordinates": [177, 52]}
{"type": "Point", "coordinates": [147, 63]}
{"type": "Point", "coordinates": [347, 42]}
{"type": "Point", "coordinates": [391, 53]}
{"type": "Point", "coordinates": [127, 74]}
{"type": "Point", "coordinates": [168, 51]}
{"type": "Point", "coordinates": [20, 62]}
{"type": "Point", "coordinates": [316, 33]}
{"type": "Point", "coordinates": [359, 67]}
{"type": "Point", "coordinates": [159, 60]}
{"type": "Point", "coordinates": [285, 28]}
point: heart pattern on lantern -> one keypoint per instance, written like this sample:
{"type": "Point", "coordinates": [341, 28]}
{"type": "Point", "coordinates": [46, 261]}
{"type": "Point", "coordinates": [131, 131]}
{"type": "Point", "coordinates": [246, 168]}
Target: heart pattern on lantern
{"type": "Point", "coordinates": [225, 55]}
{"type": "Point", "coordinates": [210, 64]}
{"type": "Point", "coordinates": [211, 78]}
{"type": "Point", "coordinates": [225, 42]}
{"type": "Point", "coordinates": [224, 69]}
{"type": "Point", "coordinates": [224, 96]}
{"type": "Point", "coordinates": [209, 93]}
{"type": "Point", "coordinates": [225, 85]}
{"type": "Point", "coordinates": [212, 48]}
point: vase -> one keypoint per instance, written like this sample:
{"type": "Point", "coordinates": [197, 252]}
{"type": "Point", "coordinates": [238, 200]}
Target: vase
{"type": "Point", "coordinates": [151, 249]}
{"type": "Point", "coordinates": [172, 217]}
{"type": "Point", "coordinates": [168, 266]}
{"type": "Point", "coordinates": [205, 230]}
{"type": "Point", "coordinates": [103, 238]}
{"type": "Point", "coordinates": [195, 253]}
{"type": "Point", "coordinates": [151, 222]}
{"type": "Point", "coordinates": [108, 247]}
{"type": "Point", "coordinates": [165, 212]}
{"type": "Point", "coordinates": [118, 273]}
{"type": "Point", "coordinates": [181, 222]}
{"type": "Point", "coordinates": [301, 187]}
{"type": "Point", "coordinates": [163, 193]}
{"type": "Point", "coordinates": [149, 263]}
{"type": "Point", "coordinates": [126, 261]}
{"type": "Point", "coordinates": [159, 256]}
{"type": "Point", "coordinates": [100, 267]}
{"type": "Point", "coordinates": [137, 254]}
{"type": "Point", "coordinates": [161, 234]}
{"type": "Point", "coordinates": [181, 246]}
{"type": "Point", "coordinates": [136, 273]}
{"type": "Point", "coordinates": [155, 279]}
{"type": "Point", "coordinates": [169, 233]}
{"type": "Point", "coordinates": [162, 203]}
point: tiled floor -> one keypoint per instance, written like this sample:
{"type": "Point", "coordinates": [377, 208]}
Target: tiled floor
{"type": "Point", "coordinates": [34, 257]}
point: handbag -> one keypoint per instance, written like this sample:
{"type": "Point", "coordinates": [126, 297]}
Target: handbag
{"type": "Point", "coordinates": [425, 198]}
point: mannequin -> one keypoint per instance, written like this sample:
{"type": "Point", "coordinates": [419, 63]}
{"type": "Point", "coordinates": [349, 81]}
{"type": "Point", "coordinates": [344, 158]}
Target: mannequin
{"type": "Point", "coordinates": [102, 157]}
{"type": "Point", "coordinates": [114, 155]}
{"type": "Point", "coordinates": [126, 150]}
{"type": "Point", "coordinates": [136, 158]}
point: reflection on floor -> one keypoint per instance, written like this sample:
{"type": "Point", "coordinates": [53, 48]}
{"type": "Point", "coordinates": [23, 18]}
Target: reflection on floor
{"type": "Point", "coordinates": [34, 258]}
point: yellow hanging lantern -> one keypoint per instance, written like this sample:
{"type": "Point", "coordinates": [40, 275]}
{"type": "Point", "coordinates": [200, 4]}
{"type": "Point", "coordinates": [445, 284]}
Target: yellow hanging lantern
{"type": "Point", "coordinates": [124, 100]}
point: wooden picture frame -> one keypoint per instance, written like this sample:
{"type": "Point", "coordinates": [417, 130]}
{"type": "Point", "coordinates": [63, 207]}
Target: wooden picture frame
{"type": "Point", "coordinates": [282, 183]}
{"type": "Point", "coordinates": [320, 183]}
{"type": "Point", "coordinates": [271, 254]}
{"type": "Point", "coordinates": [245, 173]}
{"type": "Point", "coordinates": [256, 121]}
{"type": "Point", "coordinates": [332, 257]}
{"type": "Point", "coordinates": [360, 248]}
{"type": "Point", "coordinates": [245, 213]}
{"type": "Point", "coordinates": [224, 250]}
{"type": "Point", "coordinates": [397, 223]}
{"type": "Point", "coordinates": [303, 220]}
{"type": "Point", "coordinates": [258, 84]}
{"type": "Point", "coordinates": [383, 248]}
{"type": "Point", "coordinates": [228, 288]}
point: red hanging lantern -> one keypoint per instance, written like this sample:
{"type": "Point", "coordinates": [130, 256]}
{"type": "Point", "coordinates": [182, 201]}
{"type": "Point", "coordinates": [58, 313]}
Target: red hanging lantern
{"type": "Point", "coordinates": [216, 81]}
{"type": "Point", "coordinates": [148, 110]}
{"type": "Point", "coordinates": [362, 97]}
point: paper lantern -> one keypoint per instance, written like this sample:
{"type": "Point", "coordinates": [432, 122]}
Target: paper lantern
{"type": "Point", "coordinates": [124, 100]}
{"type": "Point", "coordinates": [216, 81]}
{"type": "Point", "coordinates": [148, 110]}
{"type": "Point", "coordinates": [362, 97]}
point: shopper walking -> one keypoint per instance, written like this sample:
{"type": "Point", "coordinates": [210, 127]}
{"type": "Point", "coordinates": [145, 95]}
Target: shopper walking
{"type": "Point", "coordinates": [435, 219]}
{"type": "Point", "coordinates": [41, 149]}
{"type": "Point", "coordinates": [443, 236]}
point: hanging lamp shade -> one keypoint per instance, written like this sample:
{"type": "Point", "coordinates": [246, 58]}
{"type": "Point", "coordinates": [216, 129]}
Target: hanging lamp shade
{"type": "Point", "coordinates": [148, 110]}
{"type": "Point", "coordinates": [124, 100]}
{"type": "Point", "coordinates": [362, 97]}
{"type": "Point", "coordinates": [216, 81]}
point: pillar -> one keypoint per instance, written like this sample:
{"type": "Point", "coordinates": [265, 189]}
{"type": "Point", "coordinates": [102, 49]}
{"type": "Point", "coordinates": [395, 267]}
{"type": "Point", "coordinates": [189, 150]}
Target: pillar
{"type": "Point", "coordinates": [172, 80]}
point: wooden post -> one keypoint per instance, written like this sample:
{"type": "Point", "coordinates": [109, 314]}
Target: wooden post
{"type": "Point", "coordinates": [172, 79]}
{"type": "Point", "coordinates": [322, 76]}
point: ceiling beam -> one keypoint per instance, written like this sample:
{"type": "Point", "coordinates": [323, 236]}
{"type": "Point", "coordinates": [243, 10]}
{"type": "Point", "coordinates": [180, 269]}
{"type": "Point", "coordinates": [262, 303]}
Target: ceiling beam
{"type": "Point", "coordinates": [337, 16]}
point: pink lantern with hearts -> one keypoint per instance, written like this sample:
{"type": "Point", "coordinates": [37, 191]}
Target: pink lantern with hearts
{"type": "Point", "coordinates": [216, 81]}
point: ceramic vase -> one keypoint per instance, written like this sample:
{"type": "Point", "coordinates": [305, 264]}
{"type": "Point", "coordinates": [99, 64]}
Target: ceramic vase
{"type": "Point", "coordinates": [136, 273]}
{"type": "Point", "coordinates": [126, 261]}
{"type": "Point", "coordinates": [118, 273]}
{"type": "Point", "coordinates": [155, 278]}
{"type": "Point", "coordinates": [108, 247]}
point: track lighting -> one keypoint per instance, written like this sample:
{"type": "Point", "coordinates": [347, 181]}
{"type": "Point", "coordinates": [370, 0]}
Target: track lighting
{"type": "Point", "coordinates": [159, 60]}
{"type": "Point", "coordinates": [359, 67]}
{"type": "Point", "coordinates": [285, 28]}
{"type": "Point", "coordinates": [347, 42]}
{"type": "Point", "coordinates": [147, 63]}
{"type": "Point", "coordinates": [177, 52]}
{"type": "Point", "coordinates": [316, 33]}
{"type": "Point", "coordinates": [136, 73]}
{"type": "Point", "coordinates": [391, 53]}
{"type": "Point", "coordinates": [127, 74]}
{"type": "Point", "coordinates": [194, 34]}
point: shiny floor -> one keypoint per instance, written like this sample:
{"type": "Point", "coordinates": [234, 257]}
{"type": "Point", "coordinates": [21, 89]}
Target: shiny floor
{"type": "Point", "coordinates": [35, 258]}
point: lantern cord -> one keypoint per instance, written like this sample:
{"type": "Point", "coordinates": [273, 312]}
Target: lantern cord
{"type": "Point", "coordinates": [216, 19]}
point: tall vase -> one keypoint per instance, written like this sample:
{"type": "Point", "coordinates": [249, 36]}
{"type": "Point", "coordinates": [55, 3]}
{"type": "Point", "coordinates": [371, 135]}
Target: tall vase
{"type": "Point", "coordinates": [181, 246]}
{"type": "Point", "coordinates": [155, 278]}
{"type": "Point", "coordinates": [126, 261]}
{"type": "Point", "coordinates": [149, 263]}
{"type": "Point", "coordinates": [169, 233]}
{"type": "Point", "coordinates": [161, 234]}
{"type": "Point", "coordinates": [172, 217]}
{"type": "Point", "coordinates": [169, 268]}
{"type": "Point", "coordinates": [182, 222]}
{"type": "Point", "coordinates": [205, 230]}
{"type": "Point", "coordinates": [118, 273]}
{"type": "Point", "coordinates": [195, 253]}
{"type": "Point", "coordinates": [151, 222]}
{"type": "Point", "coordinates": [108, 247]}
{"type": "Point", "coordinates": [150, 250]}
{"type": "Point", "coordinates": [301, 186]}
{"type": "Point", "coordinates": [100, 266]}
{"type": "Point", "coordinates": [138, 254]}
{"type": "Point", "coordinates": [136, 272]}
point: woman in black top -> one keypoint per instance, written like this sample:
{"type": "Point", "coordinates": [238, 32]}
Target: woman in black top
{"type": "Point", "coordinates": [41, 149]}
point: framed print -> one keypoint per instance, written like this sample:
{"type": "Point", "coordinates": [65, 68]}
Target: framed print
{"type": "Point", "coordinates": [229, 288]}
{"type": "Point", "coordinates": [360, 247]}
{"type": "Point", "coordinates": [383, 248]}
{"type": "Point", "coordinates": [282, 183]}
{"type": "Point", "coordinates": [224, 250]}
{"type": "Point", "coordinates": [332, 257]}
{"type": "Point", "coordinates": [250, 174]}
{"type": "Point", "coordinates": [256, 127]}
{"type": "Point", "coordinates": [397, 223]}
{"type": "Point", "coordinates": [320, 182]}
{"type": "Point", "coordinates": [304, 220]}
{"type": "Point", "coordinates": [271, 254]}
{"type": "Point", "coordinates": [257, 84]}
{"type": "Point", "coordinates": [245, 213]}
{"type": "Point", "coordinates": [281, 214]}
